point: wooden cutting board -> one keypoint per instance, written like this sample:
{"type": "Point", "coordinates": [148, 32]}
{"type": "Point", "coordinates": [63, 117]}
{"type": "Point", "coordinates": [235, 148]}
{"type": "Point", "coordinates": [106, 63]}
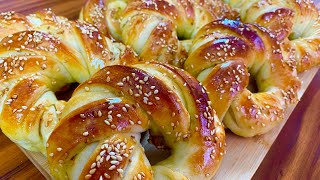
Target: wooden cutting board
{"type": "Point", "coordinates": [244, 155]}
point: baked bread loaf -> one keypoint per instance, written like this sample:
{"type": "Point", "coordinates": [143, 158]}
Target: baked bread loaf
{"type": "Point", "coordinates": [103, 120]}
{"type": "Point", "coordinates": [252, 112]}
{"type": "Point", "coordinates": [39, 54]}
{"type": "Point", "coordinates": [207, 44]}
{"type": "Point", "coordinates": [295, 23]}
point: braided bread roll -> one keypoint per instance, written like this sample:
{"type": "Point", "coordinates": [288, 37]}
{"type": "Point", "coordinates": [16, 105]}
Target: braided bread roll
{"type": "Point", "coordinates": [39, 54]}
{"type": "Point", "coordinates": [251, 113]}
{"type": "Point", "coordinates": [153, 28]}
{"type": "Point", "coordinates": [103, 120]}
{"type": "Point", "coordinates": [220, 44]}
{"type": "Point", "coordinates": [295, 22]}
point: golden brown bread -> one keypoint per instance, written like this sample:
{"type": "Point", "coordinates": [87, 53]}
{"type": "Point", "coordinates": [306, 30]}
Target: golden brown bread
{"type": "Point", "coordinates": [259, 112]}
{"type": "Point", "coordinates": [251, 113]}
{"type": "Point", "coordinates": [39, 54]}
{"type": "Point", "coordinates": [295, 23]}
{"type": "Point", "coordinates": [154, 29]}
{"type": "Point", "coordinates": [148, 26]}
{"type": "Point", "coordinates": [103, 120]}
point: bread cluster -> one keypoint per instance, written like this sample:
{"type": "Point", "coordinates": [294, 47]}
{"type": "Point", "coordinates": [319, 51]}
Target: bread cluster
{"type": "Point", "coordinates": [181, 70]}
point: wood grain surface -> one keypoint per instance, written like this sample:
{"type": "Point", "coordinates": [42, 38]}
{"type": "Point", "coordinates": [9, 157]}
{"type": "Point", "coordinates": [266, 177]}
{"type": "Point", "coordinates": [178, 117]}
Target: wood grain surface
{"type": "Point", "coordinates": [294, 154]}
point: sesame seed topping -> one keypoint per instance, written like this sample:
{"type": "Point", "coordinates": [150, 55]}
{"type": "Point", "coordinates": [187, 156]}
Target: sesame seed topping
{"type": "Point", "coordinates": [88, 176]}
{"type": "Point", "coordinates": [120, 84]}
{"type": "Point", "coordinates": [106, 175]}
{"type": "Point", "coordinates": [99, 113]}
{"type": "Point", "coordinates": [112, 167]}
{"type": "Point", "coordinates": [86, 133]}
{"type": "Point", "coordinates": [82, 116]}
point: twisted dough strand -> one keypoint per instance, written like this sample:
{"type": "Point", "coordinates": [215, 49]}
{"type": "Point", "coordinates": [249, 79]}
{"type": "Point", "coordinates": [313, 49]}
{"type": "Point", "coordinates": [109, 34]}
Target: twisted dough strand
{"type": "Point", "coordinates": [221, 44]}
{"type": "Point", "coordinates": [39, 54]}
{"type": "Point", "coordinates": [226, 40]}
{"type": "Point", "coordinates": [126, 102]}
{"type": "Point", "coordinates": [297, 23]}
{"type": "Point", "coordinates": [152, 27]}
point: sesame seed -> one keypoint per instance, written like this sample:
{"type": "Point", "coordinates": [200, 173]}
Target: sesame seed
{"type": "Point", "coordinates": [119, 158]}
{"type": "Point", "coordinates": [88, 176]}
{"type": "Point", "coordinates": [99, 113]}
{"type": "Point", "coordinates": [93, 165]}
{"type": "Point", "coordinates": [111, 106]}
{"type": "Point", "coordinates": [112, 167]}
{"type": "Point", "coordinates": [98, 158]}
{"type": "Point", "coordinates": [124, 109]}
{"type": "Point", "coordinates": [86, 133]}
{"type": "Point", "coordinates": [107, 122]}
{"type": "Point", "coordinates": [120, 84]}
{"type": "Point", "coordinates": [120, 170]}
{"type": "Point", "coordinates": [92, 171]}
{"type": "Point", "coordinates": [106, 175]}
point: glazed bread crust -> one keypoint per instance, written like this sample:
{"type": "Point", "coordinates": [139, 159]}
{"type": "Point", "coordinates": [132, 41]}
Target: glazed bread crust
{"type": "Point", "coordinates": [154, 29]}
{"type": "Point", "coordinates": [178, 33]}
{"type": "Point", "coordinates": [295, 23]}
{"type": "Point", "coordinates": [250, 113]}
{"type": "Point", "coordinates": [96, 133]}
{"type": "Point", "coordinates": [39, 54]}
{"type": "Point", "coordinates": [128, 101]}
